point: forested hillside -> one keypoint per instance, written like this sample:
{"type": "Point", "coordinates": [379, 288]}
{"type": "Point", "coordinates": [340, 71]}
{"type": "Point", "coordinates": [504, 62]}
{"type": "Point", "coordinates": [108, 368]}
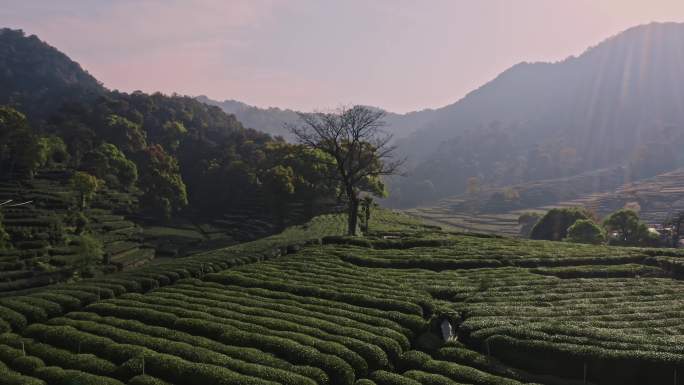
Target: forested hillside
{"type": "Point", "coordinates": [37, 78]}
{"type": "Point", "coordinates": [617, 104]}
{"type": "Point", "coordinates": [80, 156]}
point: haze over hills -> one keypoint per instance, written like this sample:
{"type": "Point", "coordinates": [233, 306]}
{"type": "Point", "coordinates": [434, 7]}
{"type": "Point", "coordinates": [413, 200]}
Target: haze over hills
{"type": "Point", "coordinates": [274, 120]}
{"type": "Point", "coordinates": [620, 103]}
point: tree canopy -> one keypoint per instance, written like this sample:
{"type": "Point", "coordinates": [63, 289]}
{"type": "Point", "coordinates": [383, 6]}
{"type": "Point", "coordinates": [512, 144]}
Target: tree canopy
{"type": "Point", "coordinates": [586, 231]}
{"type": "Point", "coordinates": [353, 139]}
{"type": "Point", "coordinates": [553, 226]}
{"type": "Point", "coordinates": [626, 229]}
{"type": "Point", "coordinates": [86, 185]}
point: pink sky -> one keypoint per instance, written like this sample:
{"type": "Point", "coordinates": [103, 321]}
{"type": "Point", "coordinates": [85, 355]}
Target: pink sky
{"type": "Point", "coordinates": [401, 55]}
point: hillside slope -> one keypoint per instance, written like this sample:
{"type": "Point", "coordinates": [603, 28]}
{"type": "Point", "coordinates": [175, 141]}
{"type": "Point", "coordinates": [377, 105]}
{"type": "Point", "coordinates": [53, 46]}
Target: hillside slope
{"type": "Point", "coordinates": [193, 178]}
{"type": "Point", "coordinates": [37, 78]}
{"type": "Point", "coordinates": [618, 103]}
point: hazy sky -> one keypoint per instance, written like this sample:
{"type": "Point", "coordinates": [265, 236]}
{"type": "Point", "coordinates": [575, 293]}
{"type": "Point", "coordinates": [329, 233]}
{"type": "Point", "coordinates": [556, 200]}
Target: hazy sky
{"type": "Point", "coordinates": [310, 54]}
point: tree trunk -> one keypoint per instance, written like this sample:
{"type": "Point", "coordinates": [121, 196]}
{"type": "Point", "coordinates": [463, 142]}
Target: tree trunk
{"type": "Point", "coordinates": [353, 213]}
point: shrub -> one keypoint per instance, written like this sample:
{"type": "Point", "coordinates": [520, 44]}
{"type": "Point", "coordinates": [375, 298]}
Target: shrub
{"type": "Point", "coordinates": [381, 377]}
{"type": "Point", "coordinates": [146, 380]}
{"type": "Point", "coordinates": [428, 378]}
{"type": "Point", "coordinates": [57, 376]}
{"type": "Point", "coordinates": [27, 364]}
{"type": "Point", "coordinates": [553, 226]}
{"type": "Point", "coordinates": [586, 231]}
{"type": "Point", "coordinates": [31, 312]}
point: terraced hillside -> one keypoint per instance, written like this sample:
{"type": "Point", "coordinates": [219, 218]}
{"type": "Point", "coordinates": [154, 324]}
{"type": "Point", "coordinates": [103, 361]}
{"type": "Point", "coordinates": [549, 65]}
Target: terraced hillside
{"type": "Point", "coordinates": [408, 305]}
{"type": "Point", "coordinates": [42, 252]}
{"type": "Point", "coordinates": [657, 198]}
{"type": "Point", "coordinates": [46, 248]}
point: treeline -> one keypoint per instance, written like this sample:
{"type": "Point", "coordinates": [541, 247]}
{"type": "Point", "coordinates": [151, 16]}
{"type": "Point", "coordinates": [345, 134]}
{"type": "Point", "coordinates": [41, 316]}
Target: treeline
{"type": "Point", "coordinates": [181, 154]}
{"type": "Point", "coordinates": [621, 228]}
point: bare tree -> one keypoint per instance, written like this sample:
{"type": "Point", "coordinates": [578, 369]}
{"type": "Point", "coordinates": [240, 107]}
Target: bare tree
{"type": "Point", "coordinates": [362, 152]}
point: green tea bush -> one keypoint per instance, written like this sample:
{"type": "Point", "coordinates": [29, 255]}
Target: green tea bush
{"type": "Point", "coordinates": [146, 380]}
{"type": "Point", "coordinates": [381, 377]}
{"type": "Point", "coordinates": [429, 378]}
{"type": "Point", "coordinates": [339, 371]}
{"type": "Point", "coordinates": [27, 364]}
{"type": "Point", "coordinates": [57, 376]}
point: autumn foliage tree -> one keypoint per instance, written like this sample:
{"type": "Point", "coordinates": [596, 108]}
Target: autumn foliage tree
{"type": "Point", "coordinates": [360, 151]}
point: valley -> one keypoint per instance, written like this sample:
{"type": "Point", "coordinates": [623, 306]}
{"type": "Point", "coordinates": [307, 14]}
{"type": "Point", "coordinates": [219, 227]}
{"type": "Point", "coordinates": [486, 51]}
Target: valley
{"type": "Point", "coordinates": [524, 234]}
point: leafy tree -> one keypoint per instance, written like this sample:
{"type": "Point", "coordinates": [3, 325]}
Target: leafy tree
{"type": "Point", "coordinates": [86, 185]}
{"type": "Point", "coordinates": [78, 137]}
{"type": "Point", "coordinates": [586, 231]}
{"type": "Point", "coordinates": [629, 230]}
{"type": "Point", "coordinates": [125, 134]}
{"type": "Point", "coordinates": [675, 223]}
{"type": "Point", "coordinates": [361, 153]}
{"type": "Point", "coordinates": [279, 182]}
{"type": "Point", "coordinates": [108, 163]}
{"type": "Point", "coordinates": [20, 149]}
{"type": "Point", "coordinates": [164, 191]}
{"type": "Point", "coordinates": [553, 226]}
{"type": "Point", "coordinates": [311, 170]}
{"type": "Point", "coordinates": [53, 151]}
{"type": "Point", "coordinates": [625, 223]}
{"type": "Point", "coordinates": [173, 132]}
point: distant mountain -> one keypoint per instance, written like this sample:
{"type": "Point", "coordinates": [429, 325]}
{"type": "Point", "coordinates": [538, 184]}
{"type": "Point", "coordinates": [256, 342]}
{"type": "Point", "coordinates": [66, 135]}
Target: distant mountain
{"type": "Point", "coordinates": [270, 120]}
{"type": "Point", "coordinates": [37, 79]}
{"type": "Point", "coordinates": [620, 102]}
{"type": "Point", "coordinates": [273, 120]}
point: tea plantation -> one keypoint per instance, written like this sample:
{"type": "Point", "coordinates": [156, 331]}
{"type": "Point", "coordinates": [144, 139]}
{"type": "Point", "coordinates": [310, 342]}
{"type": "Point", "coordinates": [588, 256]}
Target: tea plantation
{"type": "Point", "coordinates": [309, 306]}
